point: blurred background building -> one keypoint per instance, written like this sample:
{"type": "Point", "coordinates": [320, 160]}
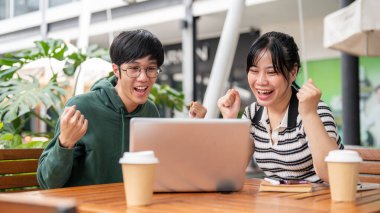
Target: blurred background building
{"type": "Point", "coordinates": [97, 22]}
{"type": "Point", "coordinates": [24, 21]}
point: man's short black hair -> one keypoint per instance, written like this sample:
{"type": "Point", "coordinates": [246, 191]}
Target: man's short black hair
{"type": "Point", "coordinates": [135, 44]}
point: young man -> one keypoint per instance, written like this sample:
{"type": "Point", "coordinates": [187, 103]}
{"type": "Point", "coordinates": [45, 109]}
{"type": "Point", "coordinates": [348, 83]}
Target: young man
{"type": "Point", "coordinates": [93, 131]}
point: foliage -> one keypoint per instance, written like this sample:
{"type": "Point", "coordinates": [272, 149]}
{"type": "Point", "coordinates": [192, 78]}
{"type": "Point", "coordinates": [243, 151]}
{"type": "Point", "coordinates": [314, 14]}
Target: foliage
{"type": "Point", "coordinates": [12, 62]}
{"type": "Point", "coordinates": [21, 96]}
{"type": "Point", "coordinates": [9, 140]}
{"type": "Point", "coordinates": [164, 95]}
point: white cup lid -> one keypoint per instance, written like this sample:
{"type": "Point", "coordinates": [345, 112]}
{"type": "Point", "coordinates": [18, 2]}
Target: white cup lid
{"type": "Point", "coordinates": [348, 156]}
{"type": "Point", "coordinates": [143, 157]}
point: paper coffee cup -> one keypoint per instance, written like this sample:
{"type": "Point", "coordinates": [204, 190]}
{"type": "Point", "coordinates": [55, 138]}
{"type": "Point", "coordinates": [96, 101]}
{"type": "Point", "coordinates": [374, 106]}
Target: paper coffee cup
{"type": "Point", "coordinates": [138, 174]}
{"type": "Point", "coordinates": [343, 169]}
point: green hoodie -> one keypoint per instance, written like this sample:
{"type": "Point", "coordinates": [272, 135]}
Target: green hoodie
{"type": "Point", "coordinates": [95, 157]}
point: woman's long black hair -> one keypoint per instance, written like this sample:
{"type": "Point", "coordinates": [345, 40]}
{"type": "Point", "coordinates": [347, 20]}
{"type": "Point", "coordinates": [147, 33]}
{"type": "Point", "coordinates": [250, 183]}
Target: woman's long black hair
{"type": "Point", "coordinates": [284, 53]}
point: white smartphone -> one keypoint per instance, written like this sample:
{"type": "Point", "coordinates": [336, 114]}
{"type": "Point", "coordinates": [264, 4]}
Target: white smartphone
{"type": "Point", "coordinates": [367, 186]}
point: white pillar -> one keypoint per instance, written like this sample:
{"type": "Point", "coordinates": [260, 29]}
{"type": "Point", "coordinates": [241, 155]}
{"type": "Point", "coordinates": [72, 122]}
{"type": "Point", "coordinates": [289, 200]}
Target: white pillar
{"type": "Point", "coordinates": [43, 27]}
{"type": "Point", "coordinates": [109, 21]}
{"type": "Point", "coordinates": [224, 57]}
{"type": "Point", "coordinates": [84, 24]}
{"type": "Point", "coordinates": [82, 42]}
{"type": "Point", "coordinates": [187, 53]}
{"type": "Point", "coordinates": [303, 44]}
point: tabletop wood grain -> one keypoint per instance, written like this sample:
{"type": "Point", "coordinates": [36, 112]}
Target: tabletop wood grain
{"type": "Point", "coordinates": [111, 198]}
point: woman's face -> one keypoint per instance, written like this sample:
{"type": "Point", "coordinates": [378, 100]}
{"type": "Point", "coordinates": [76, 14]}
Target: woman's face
{"type": "Point", "coordinates": [269, 87]}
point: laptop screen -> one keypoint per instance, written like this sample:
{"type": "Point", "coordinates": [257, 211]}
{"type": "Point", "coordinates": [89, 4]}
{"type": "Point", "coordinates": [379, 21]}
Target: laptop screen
{"type": "Point", "coordinates": [195, 154]}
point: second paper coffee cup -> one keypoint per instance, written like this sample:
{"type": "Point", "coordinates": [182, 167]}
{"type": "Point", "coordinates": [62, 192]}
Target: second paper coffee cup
{"type": "Point", "coordinates": [343, 168]}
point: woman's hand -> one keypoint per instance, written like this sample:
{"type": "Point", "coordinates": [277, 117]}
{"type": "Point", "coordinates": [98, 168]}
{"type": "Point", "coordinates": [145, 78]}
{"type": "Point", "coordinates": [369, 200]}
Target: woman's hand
{"type": "Point", "coordinates": [73, 126]}
{"type": "Point", "coordinates": [197, 110]}
{"type": "Point", "coordinates": [308, 96]}
{"type": "Point", "coordinates": [229, 104]}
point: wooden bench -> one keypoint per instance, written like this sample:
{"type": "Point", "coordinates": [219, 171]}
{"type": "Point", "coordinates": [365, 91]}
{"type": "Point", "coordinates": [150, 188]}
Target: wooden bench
{"type": "Point", "coordinates": [18, 167]}
{"type": "Point", "coordinates": [369, 170]}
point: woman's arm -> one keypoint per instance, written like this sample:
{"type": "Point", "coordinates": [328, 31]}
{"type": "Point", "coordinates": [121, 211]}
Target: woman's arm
{"type": "Point", "coordinates": [229, 106]}
{"type": "Point", "coordinates": [319, 141]}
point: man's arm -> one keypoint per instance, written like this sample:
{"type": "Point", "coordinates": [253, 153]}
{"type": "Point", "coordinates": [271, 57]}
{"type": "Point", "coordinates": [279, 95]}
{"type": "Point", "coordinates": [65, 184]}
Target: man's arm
{"type": "Point", "coordinates": [55, 164]}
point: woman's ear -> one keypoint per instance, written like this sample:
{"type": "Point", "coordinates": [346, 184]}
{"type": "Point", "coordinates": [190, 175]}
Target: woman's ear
{"type": "Point", "coordinates": [116, 70]}
{"type": "Point", "coordinates": [294, 72]}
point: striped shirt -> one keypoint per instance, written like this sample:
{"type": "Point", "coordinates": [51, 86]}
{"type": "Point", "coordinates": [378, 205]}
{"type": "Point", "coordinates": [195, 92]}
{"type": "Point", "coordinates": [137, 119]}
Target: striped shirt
{"type": "Point", "coordinates": [289, 157]}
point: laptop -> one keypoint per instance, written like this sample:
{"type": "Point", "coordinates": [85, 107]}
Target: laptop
{"type": "Point", "coordinates": [196, 155]}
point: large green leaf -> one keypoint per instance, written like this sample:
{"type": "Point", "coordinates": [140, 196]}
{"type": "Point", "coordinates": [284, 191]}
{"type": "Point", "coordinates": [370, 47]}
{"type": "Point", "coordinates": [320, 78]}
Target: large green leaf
{"type": "Point", "coordinates": [8, 73]}
{"type": "Point", "coordinates": [73, 61]}
{"type": "Point", "coordinates": [8, 61]}
{"type": "Point", "coordinates": [28, 55]}
{"type": "Point", "coordinates": [21, 96]}
{"type": "Point", "coordinates": [57, 49]}
{"type": "Point", "coordinates": [51, 48]}
{"type": "Point", "coordinates": [59, 53]}
{"type": "Point", "coordinates": [43, 48]}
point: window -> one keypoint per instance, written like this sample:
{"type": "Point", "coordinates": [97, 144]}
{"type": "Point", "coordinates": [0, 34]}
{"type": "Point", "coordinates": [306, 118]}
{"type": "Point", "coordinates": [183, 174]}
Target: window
{"type": "Point", "coordinates": [53, 3]}
{"type": "Point", "coordinates": [4, 9]}
{"type": "Point", "coordinates": [25, 6]}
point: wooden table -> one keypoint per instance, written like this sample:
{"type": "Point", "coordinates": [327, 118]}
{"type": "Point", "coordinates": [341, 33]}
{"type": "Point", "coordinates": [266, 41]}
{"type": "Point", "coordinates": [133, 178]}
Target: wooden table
{"type": "Point", "coordinates": [111, 198]}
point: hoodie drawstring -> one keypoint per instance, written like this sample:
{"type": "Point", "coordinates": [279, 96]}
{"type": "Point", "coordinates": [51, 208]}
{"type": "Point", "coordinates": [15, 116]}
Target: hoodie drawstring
{"type": "Point", "coordinates": [122, 132]}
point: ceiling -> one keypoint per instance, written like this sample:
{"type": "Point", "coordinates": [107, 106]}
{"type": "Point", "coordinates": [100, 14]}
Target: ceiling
{"type": "Point", "coordinates": [255, 16]}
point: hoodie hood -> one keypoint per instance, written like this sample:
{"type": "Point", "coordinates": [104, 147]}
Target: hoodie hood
{"type": "Point", "coordinates": [105, 89]}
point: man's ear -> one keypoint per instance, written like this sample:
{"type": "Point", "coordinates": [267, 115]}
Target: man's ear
{"type": "Point", "coordinates": [116, 70]}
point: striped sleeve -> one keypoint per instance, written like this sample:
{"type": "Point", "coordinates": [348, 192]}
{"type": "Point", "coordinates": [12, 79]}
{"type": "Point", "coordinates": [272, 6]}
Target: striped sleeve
{"type": "Point", "coordinates": [329, 123]}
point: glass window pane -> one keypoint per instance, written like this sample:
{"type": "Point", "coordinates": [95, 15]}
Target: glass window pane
{"type": "Point", "coordinates": [4, 9]}
{"type": "Point", "coordinates": [53, 3]}
{"type": "Point", "coordinates": [25, 6]}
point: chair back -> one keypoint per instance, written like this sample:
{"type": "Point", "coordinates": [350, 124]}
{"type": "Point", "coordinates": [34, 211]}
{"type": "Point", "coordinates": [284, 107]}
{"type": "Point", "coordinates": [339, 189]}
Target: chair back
{"type": "Point", "coordinates": [18, 167]}
{"type": "Point", "coordinates": [369, 170]}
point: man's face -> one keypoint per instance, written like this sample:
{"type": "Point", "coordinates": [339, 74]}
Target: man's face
{"type": "Point", "coordinates": [134, 90]}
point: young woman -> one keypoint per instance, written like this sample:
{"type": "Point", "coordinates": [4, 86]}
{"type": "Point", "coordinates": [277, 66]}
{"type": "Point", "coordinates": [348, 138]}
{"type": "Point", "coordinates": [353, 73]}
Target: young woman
{"type": "Point", "coordinates": [292, 129]}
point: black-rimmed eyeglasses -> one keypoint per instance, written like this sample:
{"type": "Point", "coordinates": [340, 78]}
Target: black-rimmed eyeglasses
{"type": "Point", "coordinates": [135, 72]}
